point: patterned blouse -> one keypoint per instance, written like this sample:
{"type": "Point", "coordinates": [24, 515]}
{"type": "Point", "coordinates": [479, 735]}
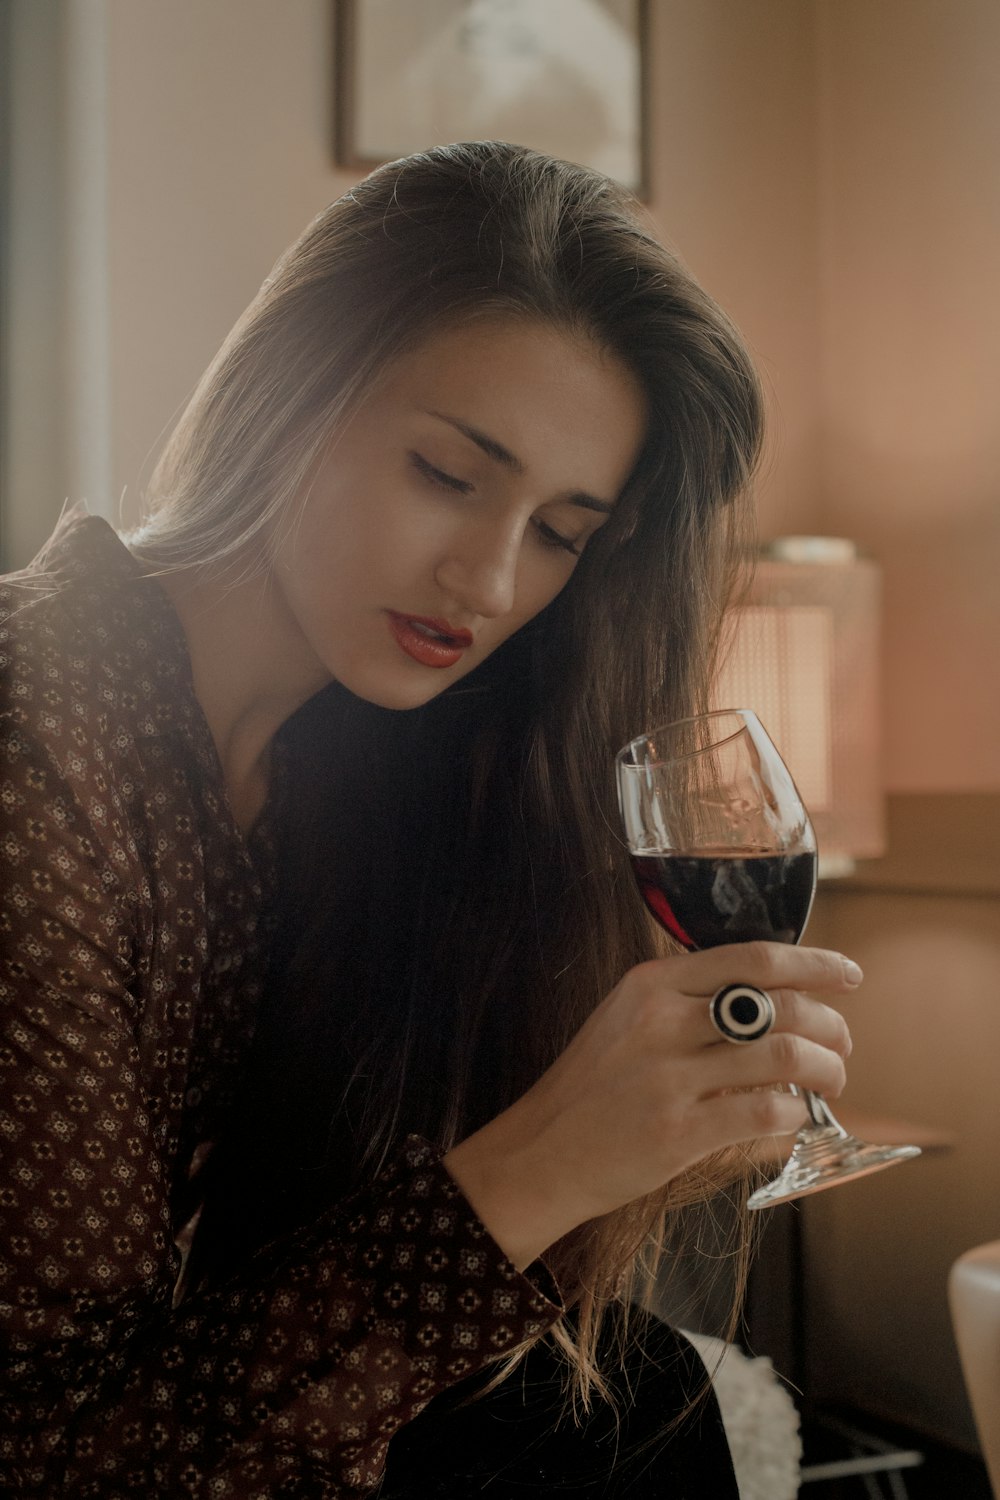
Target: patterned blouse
{"type": "Point", "coordinates": [134, 921]}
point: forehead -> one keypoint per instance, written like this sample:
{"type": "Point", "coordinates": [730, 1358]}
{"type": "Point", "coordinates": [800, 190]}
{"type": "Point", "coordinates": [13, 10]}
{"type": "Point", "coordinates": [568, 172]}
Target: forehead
{"type": "Point", "coordinates": [527, 383]}
{"type": "Point", "coordinates": [499, 342]}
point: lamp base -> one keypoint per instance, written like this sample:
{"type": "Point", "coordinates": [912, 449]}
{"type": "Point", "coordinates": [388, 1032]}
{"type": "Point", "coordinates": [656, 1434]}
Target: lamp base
{"type": "Point", "coordinates": [835, 866]}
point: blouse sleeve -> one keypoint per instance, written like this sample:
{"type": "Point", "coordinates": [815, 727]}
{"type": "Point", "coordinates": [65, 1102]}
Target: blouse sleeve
{"type": "Point", "coordinates": [289, 1379]}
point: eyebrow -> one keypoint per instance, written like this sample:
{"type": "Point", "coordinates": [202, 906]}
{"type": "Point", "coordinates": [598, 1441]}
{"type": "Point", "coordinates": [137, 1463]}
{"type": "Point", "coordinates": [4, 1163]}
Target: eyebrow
{"type": "Point", "coordinates": [503, 456]}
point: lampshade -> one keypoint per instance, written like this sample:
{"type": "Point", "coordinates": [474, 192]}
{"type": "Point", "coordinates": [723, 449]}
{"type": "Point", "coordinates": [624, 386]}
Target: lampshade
{"type": "Point", "coordinates": [803, 653]}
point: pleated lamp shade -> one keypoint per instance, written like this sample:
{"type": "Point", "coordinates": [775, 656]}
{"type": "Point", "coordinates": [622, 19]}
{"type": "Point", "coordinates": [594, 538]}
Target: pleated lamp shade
{"type": "Point", "coordinates": [803, 653]}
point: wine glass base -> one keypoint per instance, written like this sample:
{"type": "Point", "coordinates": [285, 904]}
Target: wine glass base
{"type": "Point", "coordinates": [821, 1158]}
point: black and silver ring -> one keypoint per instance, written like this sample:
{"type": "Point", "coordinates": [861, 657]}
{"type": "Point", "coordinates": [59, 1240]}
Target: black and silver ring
{"type": "Point", "coordinates": [741, 1012]}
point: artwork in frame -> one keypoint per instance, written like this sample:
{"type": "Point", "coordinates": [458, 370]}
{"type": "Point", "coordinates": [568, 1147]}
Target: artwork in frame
{"type": "Point", "coordinates": [564, 76]}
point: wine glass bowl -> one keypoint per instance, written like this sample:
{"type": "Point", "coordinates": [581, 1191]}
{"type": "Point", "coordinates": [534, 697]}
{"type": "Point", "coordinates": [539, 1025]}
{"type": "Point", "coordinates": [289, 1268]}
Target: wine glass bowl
{"type": "Point", "coordinates": [723, 852]}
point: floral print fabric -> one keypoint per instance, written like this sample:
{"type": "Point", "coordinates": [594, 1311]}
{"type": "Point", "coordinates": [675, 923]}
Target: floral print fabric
{"type": "Point", "coordinates": [132, 939]}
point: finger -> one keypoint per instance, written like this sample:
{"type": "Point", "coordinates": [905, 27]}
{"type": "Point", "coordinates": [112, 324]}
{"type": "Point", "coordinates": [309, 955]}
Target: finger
{"type": "Point", "coordinates": [683, 1022]}
{"type": "Point", "coordinates": [812, 1019]}
{"type": "Point", "coordinates": [780, 1058]}
{"type": "Point", "coordinates": [770, 965]}
{"type": "Point", "coordinates": [732, 1119]}
{"type": "Point", "coordinates": [691, 1025]}
{"type": "Point", "coordinates": [793, 1011]}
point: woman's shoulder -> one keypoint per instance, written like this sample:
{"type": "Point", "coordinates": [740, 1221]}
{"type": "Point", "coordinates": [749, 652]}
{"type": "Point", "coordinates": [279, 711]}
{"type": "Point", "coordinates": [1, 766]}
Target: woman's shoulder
{"type": "Point", "coordinates": [88, 644]}
{"type": "Point", "coordinates": [84, 589]}
{"type": "Point", "coordinates": [94, 681]}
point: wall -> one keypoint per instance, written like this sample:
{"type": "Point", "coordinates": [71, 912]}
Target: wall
{"type": "Point", "coordinates": [181, 147]}
{"type": "Point", "coordinates": [32, 461]}
{"type": "Point", "coordinates": [220, 130]}
{"type": "Point", "coordinates": [734, 186]}
{"type": "Point", "coordinates": [910, 347]}
{"type": "Point", "coordinates": [909, 116]}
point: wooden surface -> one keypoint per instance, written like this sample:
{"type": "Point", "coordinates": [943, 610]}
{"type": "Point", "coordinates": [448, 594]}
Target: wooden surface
{"type": "Point", "coordinates": [937, 843]}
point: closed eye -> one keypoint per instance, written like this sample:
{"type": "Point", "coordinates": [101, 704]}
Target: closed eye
{"type": "Point", "coordinates": [439, 476]}
{"type": "Point", "coordinates": [552, 538]}
{"type": "Point", "coordinates": [451, 482]}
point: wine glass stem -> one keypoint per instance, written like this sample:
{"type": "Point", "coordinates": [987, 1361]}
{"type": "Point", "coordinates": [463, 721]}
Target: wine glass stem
{"type": "Point", "coordinates": [820, 1115]}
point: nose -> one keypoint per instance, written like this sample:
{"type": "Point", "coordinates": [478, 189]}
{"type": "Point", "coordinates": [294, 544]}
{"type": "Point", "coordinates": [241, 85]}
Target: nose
{"type": "Point", "coordinates": [479, 568]}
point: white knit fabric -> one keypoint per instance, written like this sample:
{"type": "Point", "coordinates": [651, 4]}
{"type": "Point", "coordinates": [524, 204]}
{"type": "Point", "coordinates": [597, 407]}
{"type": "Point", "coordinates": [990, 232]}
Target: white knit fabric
{"type": "Point", "coordinates": [760, 1418]}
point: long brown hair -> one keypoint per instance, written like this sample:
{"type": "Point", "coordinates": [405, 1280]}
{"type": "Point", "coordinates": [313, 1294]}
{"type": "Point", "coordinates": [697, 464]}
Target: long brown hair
{"type": "Point", "coordinates": [455, 894]}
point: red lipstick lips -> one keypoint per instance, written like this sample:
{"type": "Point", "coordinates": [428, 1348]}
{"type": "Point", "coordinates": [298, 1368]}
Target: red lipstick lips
{"type": "Point", "coordinates": [432, 643]}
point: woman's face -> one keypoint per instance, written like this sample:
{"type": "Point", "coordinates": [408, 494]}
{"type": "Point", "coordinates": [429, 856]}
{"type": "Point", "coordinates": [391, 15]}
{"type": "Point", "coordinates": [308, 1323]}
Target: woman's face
{"type": "Point", "coordinates": [454, 505]}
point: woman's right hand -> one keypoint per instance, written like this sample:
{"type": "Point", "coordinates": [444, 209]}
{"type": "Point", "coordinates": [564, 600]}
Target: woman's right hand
{"type": "Point", "coordinates": [648, 1087]}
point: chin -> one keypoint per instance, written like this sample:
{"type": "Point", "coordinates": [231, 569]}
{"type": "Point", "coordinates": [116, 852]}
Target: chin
{"type": "Point", "coordinates": [398, 696]}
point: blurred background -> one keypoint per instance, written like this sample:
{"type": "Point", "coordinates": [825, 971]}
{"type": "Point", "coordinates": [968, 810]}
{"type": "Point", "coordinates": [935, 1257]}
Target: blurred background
{"type": "Point", "coordinates": [830, 169]}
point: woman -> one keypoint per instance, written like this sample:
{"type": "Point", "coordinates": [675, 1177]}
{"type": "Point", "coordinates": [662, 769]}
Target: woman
{"type": "Point", "coordinates": [475, 452]}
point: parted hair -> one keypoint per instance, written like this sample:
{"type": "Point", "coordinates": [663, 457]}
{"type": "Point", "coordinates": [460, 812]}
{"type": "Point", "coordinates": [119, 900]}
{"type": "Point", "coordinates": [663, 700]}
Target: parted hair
{"type": "Point", "coordinates": [454, 895]}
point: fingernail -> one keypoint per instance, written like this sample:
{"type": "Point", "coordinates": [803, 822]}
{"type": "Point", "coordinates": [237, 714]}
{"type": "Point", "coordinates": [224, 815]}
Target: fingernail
{"type": "Point", "coordinates": [852, 973]}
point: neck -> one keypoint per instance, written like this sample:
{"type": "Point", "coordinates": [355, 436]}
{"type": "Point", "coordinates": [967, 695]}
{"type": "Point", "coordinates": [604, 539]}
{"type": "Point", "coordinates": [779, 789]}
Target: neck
{"type": "Point", "coordinates": [251, 670]}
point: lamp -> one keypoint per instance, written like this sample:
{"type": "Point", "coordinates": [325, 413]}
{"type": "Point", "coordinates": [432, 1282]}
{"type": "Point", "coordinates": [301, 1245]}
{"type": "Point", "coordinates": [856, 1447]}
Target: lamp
{"type": "Point", "coordinates": [803, 653]}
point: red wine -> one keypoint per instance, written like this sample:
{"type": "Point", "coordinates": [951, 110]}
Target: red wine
{"type": "Point", "coordinates": [706, 899]}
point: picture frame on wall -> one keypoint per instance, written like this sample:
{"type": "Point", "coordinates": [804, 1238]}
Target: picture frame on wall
{"type": "Point", "coordinates": [567, 77]}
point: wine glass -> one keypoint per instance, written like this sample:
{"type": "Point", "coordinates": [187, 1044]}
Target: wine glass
{"type": "Point", "coordinates": [723, 852]}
